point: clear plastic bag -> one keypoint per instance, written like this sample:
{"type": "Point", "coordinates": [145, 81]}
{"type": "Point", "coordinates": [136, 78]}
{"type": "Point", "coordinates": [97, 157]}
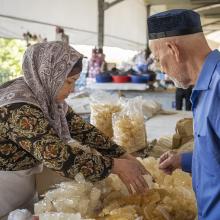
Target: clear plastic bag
{"type": "Point", "coordinates": [171, 197]}
{"type": "Point", "coordinates": [20, 214]}
{"type": "Point", "coordinates": [151, 108]}
{"type": "Point", "coordinates": [59, 216]}
{"type": "Point", "coordinates": [128, 125]}
{"type": "Point", "coordinates": [103, 105]}
{"type": "Point", "coordinates": [71, 197]}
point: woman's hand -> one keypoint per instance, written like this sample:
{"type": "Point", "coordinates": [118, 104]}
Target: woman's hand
{"type": "Point", "coordinates": [132, 158]}
{"type": "Point", "coordinates": [130, 172]}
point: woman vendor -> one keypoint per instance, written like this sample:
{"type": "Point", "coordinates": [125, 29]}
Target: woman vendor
{"type": "Point", "coordinates": [36, 125]}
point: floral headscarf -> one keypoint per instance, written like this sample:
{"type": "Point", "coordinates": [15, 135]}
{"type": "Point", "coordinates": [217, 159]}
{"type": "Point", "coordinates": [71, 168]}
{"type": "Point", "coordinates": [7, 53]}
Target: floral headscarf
{"type": "Point", "coordinates": [45, 68]}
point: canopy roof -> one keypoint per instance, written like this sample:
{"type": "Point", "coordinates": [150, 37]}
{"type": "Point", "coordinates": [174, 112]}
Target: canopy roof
{"type": "Point", "coordinates": [125, 22]}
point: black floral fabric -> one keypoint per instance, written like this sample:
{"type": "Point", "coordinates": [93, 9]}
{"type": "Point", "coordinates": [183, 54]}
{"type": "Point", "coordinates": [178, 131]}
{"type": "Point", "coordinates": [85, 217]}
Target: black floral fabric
{"type": "Point", "coordinates": [27, 139]}
{"type": "Point", "coordinates": [89, 135]}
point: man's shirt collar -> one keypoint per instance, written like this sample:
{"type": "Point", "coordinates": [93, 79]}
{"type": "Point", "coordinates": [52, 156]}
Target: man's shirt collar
{"type": "Point", "coordinates": [207, 71]}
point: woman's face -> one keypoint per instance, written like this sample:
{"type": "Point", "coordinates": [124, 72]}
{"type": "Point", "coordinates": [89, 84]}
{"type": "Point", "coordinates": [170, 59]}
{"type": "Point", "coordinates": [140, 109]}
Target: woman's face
{"type": "Point", "coordinates": [68, 85]}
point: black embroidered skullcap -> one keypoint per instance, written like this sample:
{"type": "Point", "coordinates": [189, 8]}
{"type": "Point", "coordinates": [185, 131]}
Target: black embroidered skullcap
{"type": "Point", "coordinates": [174, 22]}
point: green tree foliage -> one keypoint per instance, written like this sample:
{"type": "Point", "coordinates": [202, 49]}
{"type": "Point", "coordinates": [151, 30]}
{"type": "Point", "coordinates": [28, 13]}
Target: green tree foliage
{"type": "Point", "coordinates": [11, 53]}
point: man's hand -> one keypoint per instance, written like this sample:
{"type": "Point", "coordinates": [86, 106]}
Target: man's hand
{"type": "Point", "coordinates": [130, 172]}
{"type": "Point", "coordinates": [169, 162]}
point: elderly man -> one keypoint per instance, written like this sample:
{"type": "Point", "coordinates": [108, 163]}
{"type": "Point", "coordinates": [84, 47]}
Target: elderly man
{"type": "Point", "coordinates": [181, 49]}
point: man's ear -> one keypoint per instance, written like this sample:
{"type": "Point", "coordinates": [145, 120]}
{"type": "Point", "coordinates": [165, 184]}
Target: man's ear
{"type": "Point", "coordinates": [173, 50]}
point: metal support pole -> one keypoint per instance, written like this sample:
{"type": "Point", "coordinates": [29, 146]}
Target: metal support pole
{"type": "Point", "coordinates": [101, 20]}
{"type": "Point", "coordinates": [102, 7]}
{"type": "Point", "coordinates": [148, 8]}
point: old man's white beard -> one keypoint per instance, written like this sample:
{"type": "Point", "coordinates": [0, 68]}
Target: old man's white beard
{"type": "Point", "coordinates": [177, 83]}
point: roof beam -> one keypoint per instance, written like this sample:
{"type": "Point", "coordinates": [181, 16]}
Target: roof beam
{"type": "Point", "coordinates": [210, 31]}
{"type": "Point", "coordinates": [109, 5]}
{"type": "Point", "coordinates": [214, 15]}
{"type": "Point", "coordinates": [211, 23]}
{"type": "Point", "coordinates": [44, 23]}
{"type": "Point", "coordinates": [207, 7]}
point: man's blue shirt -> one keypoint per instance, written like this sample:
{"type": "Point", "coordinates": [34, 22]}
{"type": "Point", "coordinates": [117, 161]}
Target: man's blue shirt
{"type": "Point", "coordinates": [204, 162]}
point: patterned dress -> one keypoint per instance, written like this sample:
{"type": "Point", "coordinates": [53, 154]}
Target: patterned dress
{"type": "Point", "coordinates": [27, 139]}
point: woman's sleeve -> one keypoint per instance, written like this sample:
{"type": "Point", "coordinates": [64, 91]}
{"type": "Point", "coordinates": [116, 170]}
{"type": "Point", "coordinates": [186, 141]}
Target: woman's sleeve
{"type": "Point", "coordinates": [32, 132]}
{"type": "Point", "coordinates": [89, 135]}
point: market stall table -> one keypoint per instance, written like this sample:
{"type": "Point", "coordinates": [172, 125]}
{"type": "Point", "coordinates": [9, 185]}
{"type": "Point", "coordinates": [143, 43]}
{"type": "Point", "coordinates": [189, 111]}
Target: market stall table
{"type": "Point", "coordinates": [118, 86]}
{"type": "Point", "coordinates": [163, 124]}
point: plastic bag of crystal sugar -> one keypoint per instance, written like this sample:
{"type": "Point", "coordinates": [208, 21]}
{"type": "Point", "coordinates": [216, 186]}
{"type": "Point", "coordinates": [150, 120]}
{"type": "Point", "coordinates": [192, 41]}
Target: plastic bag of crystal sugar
{"type": "Point", "coordinates": [128, 125]}
{"type": "Point", "coordinates": [103, 105]}
{"type": "Point", "coordinates": [78, 196]}
{"type": "Point", "coordinates": [59, 216]}
{"type": "Point", "coordinates": [20, 214]}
